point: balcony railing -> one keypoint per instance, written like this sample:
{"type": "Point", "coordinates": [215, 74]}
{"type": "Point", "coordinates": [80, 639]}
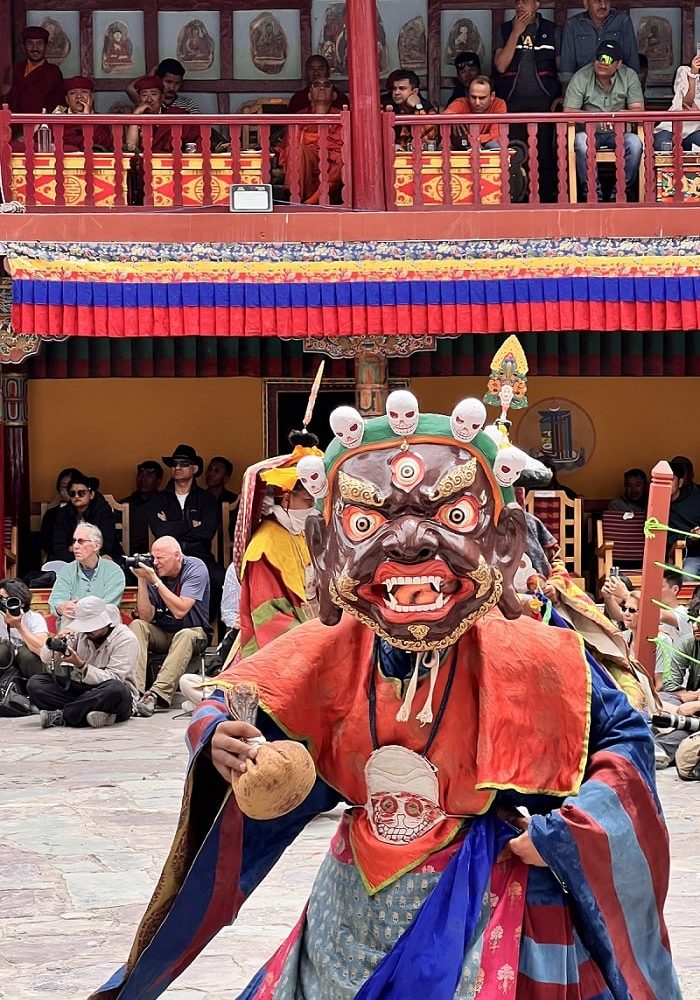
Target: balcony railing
{"type": "Point", "coordinates": [429, 160]}
{"type": "Point", "coordinates": [182, 161]}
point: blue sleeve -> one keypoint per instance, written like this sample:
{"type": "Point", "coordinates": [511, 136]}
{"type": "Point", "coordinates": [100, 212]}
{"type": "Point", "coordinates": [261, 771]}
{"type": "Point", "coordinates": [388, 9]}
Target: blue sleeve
{"type": "Point", "coordinates": [568, 51]}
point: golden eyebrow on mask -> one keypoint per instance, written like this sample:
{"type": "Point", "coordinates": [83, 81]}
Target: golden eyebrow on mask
{"type": "Point", "coordinates": [454, 481]}
{"type": "Point", "coordinates": [358, 491]}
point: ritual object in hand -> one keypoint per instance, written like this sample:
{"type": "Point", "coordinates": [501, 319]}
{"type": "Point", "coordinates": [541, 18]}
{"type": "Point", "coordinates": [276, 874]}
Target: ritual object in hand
{"type": "Point", "coordinates": [283, 772]}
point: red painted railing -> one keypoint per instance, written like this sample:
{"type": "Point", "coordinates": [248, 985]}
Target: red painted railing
{"type": "Point", "coordinates": [206, 154]}
{"type": "Point", "coordinates": [444, 151]}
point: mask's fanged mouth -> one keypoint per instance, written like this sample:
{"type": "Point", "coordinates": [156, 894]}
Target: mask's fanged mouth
{"type": "Point", "coordinates": [426, 594]}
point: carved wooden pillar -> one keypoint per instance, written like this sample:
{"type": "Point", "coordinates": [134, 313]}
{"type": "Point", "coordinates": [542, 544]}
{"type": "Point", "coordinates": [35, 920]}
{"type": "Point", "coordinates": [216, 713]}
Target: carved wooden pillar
{"type": "Point", "coordinates": [371, 383]}
{"type": "Point", "coordinates": [365, 113]}
{"type": "Point", "coordinates": [13, 389]}
{"type": "Point", "coordinates": [652, 574]}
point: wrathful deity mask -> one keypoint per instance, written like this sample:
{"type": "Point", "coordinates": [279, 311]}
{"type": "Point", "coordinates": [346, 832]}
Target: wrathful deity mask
{"type": "Point", "coordinates": [417, 539]}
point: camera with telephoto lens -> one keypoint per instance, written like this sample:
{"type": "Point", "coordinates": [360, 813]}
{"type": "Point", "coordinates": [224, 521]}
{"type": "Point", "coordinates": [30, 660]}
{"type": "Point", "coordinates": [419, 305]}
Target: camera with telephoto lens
{"type": "Point", "coordinates": [686, 723]}
{"type": "Point", "coordinates": [11, 606]}
{"type": "Point", "coordinates": [57, 644]}
{"type": "Point", "coordinates": [139, 559]}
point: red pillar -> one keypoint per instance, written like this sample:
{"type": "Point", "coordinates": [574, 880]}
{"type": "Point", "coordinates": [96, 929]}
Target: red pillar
{"type": "Point", "coordinates": [652, 575]}
{"type": "Point", "coordinates": [365, 114]}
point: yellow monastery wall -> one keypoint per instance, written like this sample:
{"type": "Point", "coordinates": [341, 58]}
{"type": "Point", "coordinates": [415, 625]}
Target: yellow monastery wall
{"type": "Point", "coordinates": [105, 426]}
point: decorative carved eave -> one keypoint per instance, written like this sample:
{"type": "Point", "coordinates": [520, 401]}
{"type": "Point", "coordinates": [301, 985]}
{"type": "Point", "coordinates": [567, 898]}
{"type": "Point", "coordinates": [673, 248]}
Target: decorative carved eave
{"type": "Point", "coordinates": [390, 346]}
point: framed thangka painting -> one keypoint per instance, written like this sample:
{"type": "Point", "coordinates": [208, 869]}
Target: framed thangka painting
{"type": "Point", "coordinates": [658, 31]}
{"type": "Point", "coordinates": [329, 37]}
{"type": "Point", "coordinates": [118, 44]}
{"type": "Point", "coordinates": [63, 27]}
{"type": "Point", "coordinates": [464, 31]}
{"type": "Point", "coordinates": [405, 27]}
{"type": "Point", "coordinates": [266, 45]}
{"type": "Point", "coordinates": [193, 39]}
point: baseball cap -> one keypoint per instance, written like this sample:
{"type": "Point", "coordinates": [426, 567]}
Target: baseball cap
{"type": "Point", "coordinates": [611, 49]}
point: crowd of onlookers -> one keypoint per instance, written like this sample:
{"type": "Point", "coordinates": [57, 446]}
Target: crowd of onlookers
{"type": "Point", "coordinates": [592, 64]}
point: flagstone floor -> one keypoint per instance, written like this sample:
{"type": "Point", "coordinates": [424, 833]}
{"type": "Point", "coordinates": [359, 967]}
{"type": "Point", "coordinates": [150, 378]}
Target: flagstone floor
{"type": "Point", "coordinates": [86, 818]}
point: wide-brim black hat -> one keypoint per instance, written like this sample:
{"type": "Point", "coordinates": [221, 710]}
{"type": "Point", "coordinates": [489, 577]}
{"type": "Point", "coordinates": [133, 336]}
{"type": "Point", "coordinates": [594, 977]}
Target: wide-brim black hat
{"type": "Point", "coordinates": [185, 451]}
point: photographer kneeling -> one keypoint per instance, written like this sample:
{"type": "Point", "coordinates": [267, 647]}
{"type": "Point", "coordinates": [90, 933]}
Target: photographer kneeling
{"type": "Point", "coordinates": [93, 670]}
{"type": "Point", "coordinates": [172, 602]}
{"type": "Point", "coordinates": [22, 632]}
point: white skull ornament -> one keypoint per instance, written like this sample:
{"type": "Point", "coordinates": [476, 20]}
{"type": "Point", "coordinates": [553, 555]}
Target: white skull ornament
{"type": "Point", "coordinates": [348, 426]}
{"type": "Point", "coordinates": [467, 419]}
{"type": "Point", "coordinates": [403, 412]}
{"type": "Point", "coordinates": [402, 795]}
{"type": "Point", "coordinates": [509, 463]}
{"type": "Point", "coordinates": [312, 474]}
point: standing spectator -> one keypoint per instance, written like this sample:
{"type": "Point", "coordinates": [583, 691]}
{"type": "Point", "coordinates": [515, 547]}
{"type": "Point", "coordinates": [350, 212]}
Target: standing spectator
{"type": "Point", "coordinates": [171, 73]}
{"type": "Point", "coordinates": [149, 476]}
{"type": "Point", "coordinates": [315, 68]}
{"type": "Point", "coordinates": [527, 65]}
{"type": "Point", "coordinates": [33, 85]}
{"type": "Point", "coordinates": [635, 493]}
{"type": "Point", "coordinates": [173, 607]}
{"type": "Point", "coordinates": [88, 574]}
{"type": "Point", "coordinates": [685, 511]}
{"type": "Point", "coordinates": [606, 86]}
{"type": "Point", "coordinates": [481, 101]}
{"type": "Point", "coordinates": [85, 504]}
{"type": "Point", "coordinates": [22, 634]}
{"type": "Point", "coordinates": [217, 474]}
{"type": "Point", "coordinates": [584, 32]}
{"type": "Point", "coordinates": [48, 521]}
{"type": "Point", "coordinates": [468, 66]}
{"type": "Point", "coordinates": [99, 688]}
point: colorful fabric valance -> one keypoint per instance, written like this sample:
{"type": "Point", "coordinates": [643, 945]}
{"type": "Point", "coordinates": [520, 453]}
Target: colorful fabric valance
{"type": "Point", "coordinates": [341, 289]}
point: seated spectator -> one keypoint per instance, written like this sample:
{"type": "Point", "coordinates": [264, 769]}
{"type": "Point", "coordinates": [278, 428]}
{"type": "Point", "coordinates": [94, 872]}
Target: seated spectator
{"type": "Point", "coordinates": [33, 85]}
{"type": "Point", "coordinates": [48, 521]}
{"type": "Point", "coordinates": [315, 68]}
{"type": "Point", "coordinates": [615, 591]}
{"type": "Point", "coordinates": [480, 101]}
{"type": "Point", "coordinates": [85, 503]}
{"type": "Point", "coordinates": [527, 80]}
{"type": "Point", "coordinates": [606, 85]}
{"type": "Point", "coordinates": [22, 633]}
{"type": "Point", "coordinates": [585, 32]}
{"type": "Point", "coordinates": [406, 100]}
{"type": "Point", "coordinates": [173, 609]}
{"type": "Point", "coordinates": [149, 476]}
{"type": "Point", "coordinates": [93, 682]}
{"type": "Point", "coordinates": [684, 513]}
{"type": "Point", "coordinates": [171, 72]}
{"type": "Point", "coordinates": [635, 493]}
{"type": "Point", "coordinates": [674, 615]}
{"type": "Point", "coordinates": [80, 93]}
{"type": "Point", "coordinates": [88, 574]}
{"type": "Point", "coordinates": [686, 97]}
{"type": "Point", "coordinates": [320, 101]}
{"type": "Point", "coordinates": [681, 689]}
{"type": "Point", "coordinates": [150, 91]}
{"type": "Point", "coordinates": [468, 66]}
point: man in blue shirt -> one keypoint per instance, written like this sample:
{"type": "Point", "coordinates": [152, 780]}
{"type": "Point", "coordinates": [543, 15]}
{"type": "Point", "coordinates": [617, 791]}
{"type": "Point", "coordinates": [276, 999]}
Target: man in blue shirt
{"type": "Point", "coordinates": [584, 32]}
{"type": "Point", "coordinates": [173, 607]}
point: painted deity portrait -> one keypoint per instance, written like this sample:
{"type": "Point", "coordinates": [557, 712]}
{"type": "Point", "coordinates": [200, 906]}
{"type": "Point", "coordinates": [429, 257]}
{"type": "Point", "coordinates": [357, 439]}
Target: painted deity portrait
{"type": "Point", "coordinates": [333, 41]}
{"type": "Point", "coordinates": [59, 46]}
{"type": "Point", "coordinates": [464, 36]}
{"type": "Point", "coordinates": [117, 49]}
{"type": "Point", "coordinates": [411, 45]}
{"type": "Point", "coordinates": [268, 43]}
{"type": "Point", "coordinates": [195, 47]}
{"type": "Point", "coordinates": [655, 41]}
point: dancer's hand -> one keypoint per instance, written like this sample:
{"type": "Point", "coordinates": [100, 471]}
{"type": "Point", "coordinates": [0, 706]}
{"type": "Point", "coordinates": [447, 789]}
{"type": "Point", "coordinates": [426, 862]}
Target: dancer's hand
{"type": "Point", "coordinates": [229, 750]}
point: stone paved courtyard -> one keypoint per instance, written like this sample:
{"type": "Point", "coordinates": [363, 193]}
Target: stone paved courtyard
{"type": "Point", "coordinates": [86, 818]}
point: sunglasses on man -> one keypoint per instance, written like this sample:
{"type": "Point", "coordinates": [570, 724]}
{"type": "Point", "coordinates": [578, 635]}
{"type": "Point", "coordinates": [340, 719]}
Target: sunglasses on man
{"type": "Point", "coordinates": [78, 493]}
{"type": "Point", "coordinates": [604, 59]}
{"type": "Point", "coordinates": [180, 463]}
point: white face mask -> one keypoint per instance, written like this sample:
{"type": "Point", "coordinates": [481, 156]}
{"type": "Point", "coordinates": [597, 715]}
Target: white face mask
{"type": "Point", "coordinates": [292, 520]}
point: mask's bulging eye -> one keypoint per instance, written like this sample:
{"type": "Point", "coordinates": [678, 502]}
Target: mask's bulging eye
{"type": "Point", "coordinates": [359, 524]}
{"type": "Point", "coordinates": [462, 516]}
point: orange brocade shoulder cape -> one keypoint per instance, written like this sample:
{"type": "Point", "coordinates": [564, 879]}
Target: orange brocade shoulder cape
{"type": "Point", "coordinates": [518, 717]}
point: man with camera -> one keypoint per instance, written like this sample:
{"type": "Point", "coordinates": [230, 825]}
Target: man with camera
{"type": "Point", "coordinates": [681, 691]}
{"type": "Point", "coordinates": [22, 632]}
{"type": "Point", "coordinates": [172, 601]}
{"type": "Point", "coordinates": [92, 670]}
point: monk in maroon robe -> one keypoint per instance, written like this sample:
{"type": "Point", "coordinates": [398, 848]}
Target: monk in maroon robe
{"type": "Point", "coordinates": [34, 85]}
{"type": "Point", "coordinates": [150, 92]}
{"type": "Point", "coordinates": [80, 101]}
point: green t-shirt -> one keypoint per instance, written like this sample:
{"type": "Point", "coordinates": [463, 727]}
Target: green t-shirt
{"type": "Point", "coordinates": [584, 93]}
